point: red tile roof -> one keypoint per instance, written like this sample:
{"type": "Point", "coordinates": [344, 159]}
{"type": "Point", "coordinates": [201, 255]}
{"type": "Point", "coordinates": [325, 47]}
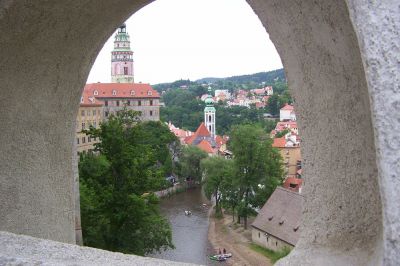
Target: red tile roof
{"type": "Point", "coordinates": [121, 90]}
{"type": "Point", "coordinates": [288, 107]}
{"type": "Point", "coordinates": [279, 142]}
{"type": "Point", "coordinates": [88, 100]}
{"type": "Point", "coordinates": [205, 146]}
{"type": "Point", "coordinates": [202, 131]}
{"type": "Point", "coordinates": [293, 183]}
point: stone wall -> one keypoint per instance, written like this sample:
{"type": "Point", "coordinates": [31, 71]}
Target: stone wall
{"type": "Point", "coordinates": [23, 250]}
{"type": "Point", "coordinates": [268, 241]}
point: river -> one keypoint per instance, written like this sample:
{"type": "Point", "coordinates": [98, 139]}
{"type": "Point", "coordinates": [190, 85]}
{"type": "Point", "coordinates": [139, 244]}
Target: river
{"type": "Point", "coordinates": [189, 233]}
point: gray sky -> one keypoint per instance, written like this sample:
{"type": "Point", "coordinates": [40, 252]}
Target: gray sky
{"type": "Point", "coordinates": [192, 39]}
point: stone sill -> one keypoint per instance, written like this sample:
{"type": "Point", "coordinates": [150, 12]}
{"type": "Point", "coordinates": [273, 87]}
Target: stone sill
{"type": "Point", "coordinates": [26, 250]}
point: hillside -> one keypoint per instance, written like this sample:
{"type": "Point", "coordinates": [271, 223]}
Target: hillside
{"type": "Point", "coordinates": [267, 77]}
{"type": "Point", "coordinates": [244, 81]}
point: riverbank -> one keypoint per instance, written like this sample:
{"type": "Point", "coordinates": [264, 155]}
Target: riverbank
{"type": "Point", "coordinates": [222, 233]}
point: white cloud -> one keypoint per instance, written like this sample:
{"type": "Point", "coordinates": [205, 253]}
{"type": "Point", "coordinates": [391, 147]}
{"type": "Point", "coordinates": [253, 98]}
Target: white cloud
{"type": "Point", "coordinates": [174, 39]}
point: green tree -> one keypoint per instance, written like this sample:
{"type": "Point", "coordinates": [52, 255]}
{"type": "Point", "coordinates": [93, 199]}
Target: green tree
{"type": "Point", "coordinates": [117, 213]}
{"type": "Point", "coordinates": [215, 171]}
{"type": "Point", "coordinates": [190, 163]}
{"type": "Point", "coordinates": [252, 151]}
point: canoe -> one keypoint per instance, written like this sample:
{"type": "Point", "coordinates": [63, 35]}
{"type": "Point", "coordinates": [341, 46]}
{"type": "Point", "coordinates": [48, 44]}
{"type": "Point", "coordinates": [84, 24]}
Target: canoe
{"type": "Point", "coordinates": [217, 258]}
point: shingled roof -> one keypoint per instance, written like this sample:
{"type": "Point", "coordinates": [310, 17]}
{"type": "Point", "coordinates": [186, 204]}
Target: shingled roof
{"type": "Point", "coordinates": [280, 216]}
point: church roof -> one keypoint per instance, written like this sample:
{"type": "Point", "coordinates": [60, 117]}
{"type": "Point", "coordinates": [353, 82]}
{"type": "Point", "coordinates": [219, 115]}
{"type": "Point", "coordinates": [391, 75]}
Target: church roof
{"type": "Point", "coordinates": [202, 131]}
{"type": "Point", "coordinates": [121, 90]}
{"type": "Point", "coordinates": [205, 146]}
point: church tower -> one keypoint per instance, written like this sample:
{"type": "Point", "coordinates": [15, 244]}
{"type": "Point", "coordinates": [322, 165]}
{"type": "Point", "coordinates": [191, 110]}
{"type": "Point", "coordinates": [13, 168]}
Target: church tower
{"type": "Point", "coordinates": [122, 58]}
{"type": "Point", "coordinates": [209, 114]}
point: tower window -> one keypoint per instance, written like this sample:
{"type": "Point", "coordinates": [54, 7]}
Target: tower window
{"type": "Point", "coordinates": [125, 70]}
{"type": "Point", "coordinates": [106, 103]}
{"type": "Point", "coordinates": [209, 128]}
{"type": "Point", "coordinates": [151, 102]}
{"type": "Point", "coordinates": [209, 118]}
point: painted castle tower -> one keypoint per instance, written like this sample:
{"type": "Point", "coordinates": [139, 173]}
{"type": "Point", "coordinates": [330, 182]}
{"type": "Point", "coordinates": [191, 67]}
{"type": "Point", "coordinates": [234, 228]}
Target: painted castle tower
{"type": "Point", "coordinates": [122, 58]}
{"type": "Point", "coordinates": [209, 114]}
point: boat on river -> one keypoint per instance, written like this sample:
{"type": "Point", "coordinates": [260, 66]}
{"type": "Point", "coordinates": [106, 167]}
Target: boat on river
{"type": "Point", "coordinates": [220, 257]}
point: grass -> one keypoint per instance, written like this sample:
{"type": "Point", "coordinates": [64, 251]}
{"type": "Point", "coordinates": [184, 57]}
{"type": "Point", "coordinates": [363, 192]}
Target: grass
{"type": "Point", "coordinates": [274, 256]}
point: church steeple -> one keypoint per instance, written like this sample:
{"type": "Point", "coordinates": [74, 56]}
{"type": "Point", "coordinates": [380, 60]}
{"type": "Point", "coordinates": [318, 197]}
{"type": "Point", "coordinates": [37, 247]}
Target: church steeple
{"type": "Point", "coordinates": [209, 114]}
{"type": "Point", "coordinates": [122, 58]}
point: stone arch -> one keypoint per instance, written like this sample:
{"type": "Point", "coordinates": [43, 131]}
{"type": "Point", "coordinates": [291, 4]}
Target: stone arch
{"type": "Point", "coordinates": [340, 61]}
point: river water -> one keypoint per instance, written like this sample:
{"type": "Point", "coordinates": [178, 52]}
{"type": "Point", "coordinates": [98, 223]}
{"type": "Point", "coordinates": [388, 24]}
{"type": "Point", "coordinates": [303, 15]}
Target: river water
{"type": "Point", "coordinates": [189, 233]}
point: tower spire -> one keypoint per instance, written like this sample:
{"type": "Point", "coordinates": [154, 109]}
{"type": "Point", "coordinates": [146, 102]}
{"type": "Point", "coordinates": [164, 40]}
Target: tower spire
{"type": "Point", "coordinates": [209, 114]}
{"type": "Point", "coordinates": [122, 58]}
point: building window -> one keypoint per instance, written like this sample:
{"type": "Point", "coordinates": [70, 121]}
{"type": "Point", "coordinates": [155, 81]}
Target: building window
{"type": "Point", "coordinates": [88, 112]}
{"type": "Point", "coordinates": [94, 112]}
{"type": "Point", "coordinates": [83, 126]}
{"type": "Point", "coordinates": [139, 103]}
{"type": "Point", "coordinates": [259, 235]}
{"type": "Point", "coordinates": [95, 92]}
{"type": "Point", "coordinates": [83, 113]}
{"type": "Point", "coordinates": [276, 243]}
{"type": "Point", "coordinates": [89, 139]}
{"type": "Point", "coordinates": [151, 102]}
{"type": "Point", "coordinates": [117, 103]}
{"type": "Point", "coordinates": [114, 92]}
{"type": "Point", "coordinates": [125, 69]}
{"type": "Point", "coordinates": [77, 140]}
{"type": "Point", "coordinates": [106, 114]}
{"type": "Point", "coordinates": [128, 103]}
{"type": "Point", "coordinates": [94, 124]}
{"type": "Point", "coordinates": [209, 118]}
{"type": "Point", "coordinates": [106, 103]}
{"type": "Point", "coordinates": [151, 113]}
{"type": "Point", "coordinates": [83, 140]}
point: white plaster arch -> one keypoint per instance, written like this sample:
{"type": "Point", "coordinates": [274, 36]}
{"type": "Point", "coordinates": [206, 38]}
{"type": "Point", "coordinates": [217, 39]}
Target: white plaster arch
{"type": "Point", "coordinates": [341, 59]}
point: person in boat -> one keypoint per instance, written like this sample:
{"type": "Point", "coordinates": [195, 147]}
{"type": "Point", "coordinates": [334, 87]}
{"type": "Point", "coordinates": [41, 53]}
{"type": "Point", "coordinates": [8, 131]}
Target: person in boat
{"type": "Point", "coordinates": [224, 250]}
{"type": "Point", "coordinates": [219, 251]}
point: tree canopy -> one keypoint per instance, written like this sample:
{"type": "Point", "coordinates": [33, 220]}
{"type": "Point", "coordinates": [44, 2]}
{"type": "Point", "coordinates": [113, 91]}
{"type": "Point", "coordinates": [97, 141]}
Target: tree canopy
{"type": "Point", "coordinates": [119, 212]}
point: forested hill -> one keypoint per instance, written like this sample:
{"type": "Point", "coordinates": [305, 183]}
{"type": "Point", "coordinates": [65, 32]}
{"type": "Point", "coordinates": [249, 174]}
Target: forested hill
{"type": "Point", "coordinates": [267, 77]}
{"type": "Point", "coordinates": [244, 82]}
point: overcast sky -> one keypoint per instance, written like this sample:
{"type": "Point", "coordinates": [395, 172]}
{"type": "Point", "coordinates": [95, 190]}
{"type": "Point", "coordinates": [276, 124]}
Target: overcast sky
{"type": "Point", "coordinates": [192, 39]}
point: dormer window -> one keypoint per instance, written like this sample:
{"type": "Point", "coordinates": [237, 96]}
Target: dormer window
{"type": "Point", "coordinates": [149, 93]}
{"type": "Point", "coordinates": [114, 92]}
{"type": "Point", "coordinates": [81, 99]}
{"type": "Point", "coordinates": [95, 92]}
{"type": "Point", "coordinates": [132, 92]}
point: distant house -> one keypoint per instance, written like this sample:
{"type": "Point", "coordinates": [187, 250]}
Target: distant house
{"type": "Point", "coordinates": [287, 113]}
{"type": "Point", "coordinates": [277, 225]}
{"type": "Point", "coordinates": [289, 148]}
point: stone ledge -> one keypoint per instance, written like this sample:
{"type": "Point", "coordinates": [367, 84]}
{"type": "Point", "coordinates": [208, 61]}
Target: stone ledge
{"type": "Point", "coordinates": [26, 250]}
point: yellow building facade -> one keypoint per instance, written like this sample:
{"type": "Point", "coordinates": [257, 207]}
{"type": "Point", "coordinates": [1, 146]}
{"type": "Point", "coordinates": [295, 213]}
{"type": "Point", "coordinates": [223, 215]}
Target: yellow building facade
{"type": "Point", "coordinates": [90, 114]}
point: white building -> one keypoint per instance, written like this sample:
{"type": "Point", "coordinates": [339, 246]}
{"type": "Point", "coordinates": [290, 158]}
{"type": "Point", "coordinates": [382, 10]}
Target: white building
{"type": "Point", "coordinates": [287, 113]}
